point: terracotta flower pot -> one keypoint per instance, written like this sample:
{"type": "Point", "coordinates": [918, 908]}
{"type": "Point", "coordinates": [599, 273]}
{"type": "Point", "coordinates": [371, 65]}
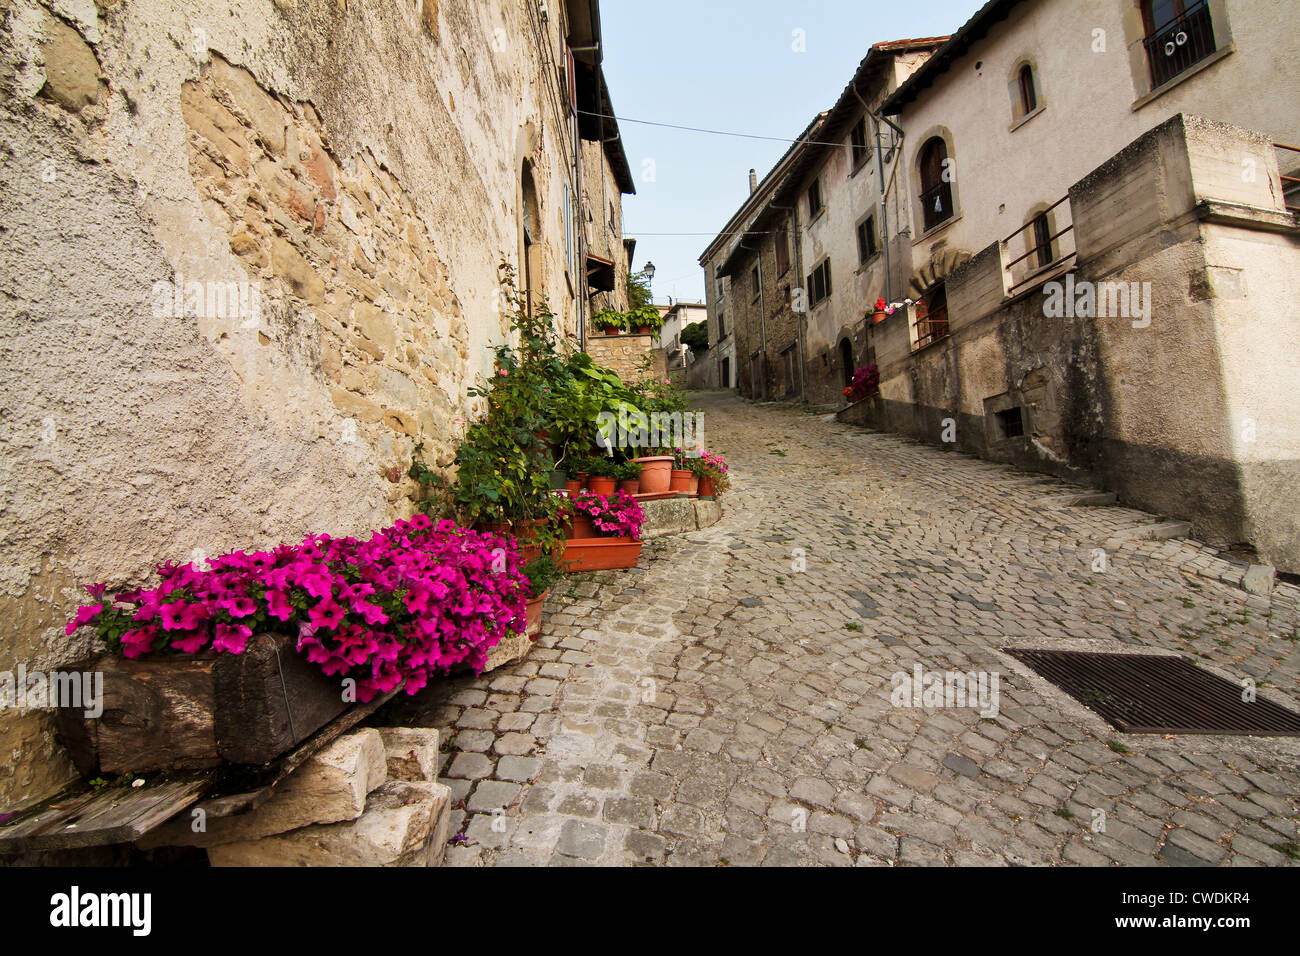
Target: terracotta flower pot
{"type": "Point", "coordinates": [601, 554]}
{"type": "Point", "coordinates": [631, 487]}
{"type": "Point", "coordinates": [680, 481]}
{"type": "Point", "coordinates": [582, 480]}
{"type": "Point", "coordinates": [611, 331]}
{"type": "Point", "coordinates": [601, 486]}
{"type": "Point", "coordinates": [656, 473]}
{"type": "Point", "coordinates": [534, 610]}
{"type": "Point", "coordinates": [582, 527]}
{"type": "Point", "coordinates": [706, 487]}
{"type": "Point", "coordinates": [877, 317]}
{"type": "Point", "coordinates": [643, 330]}
{"type": "Point", "coordinates": [695, 485]}
{"type": "Point", "coordinates": [573, 487]}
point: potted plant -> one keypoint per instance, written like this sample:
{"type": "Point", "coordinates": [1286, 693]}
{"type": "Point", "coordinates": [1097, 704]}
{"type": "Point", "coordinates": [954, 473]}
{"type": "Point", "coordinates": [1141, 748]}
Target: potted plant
{"type": "Point", "coordinates": [604, 476]}
{"type": "Point", "coordinates": [683, 480]}
{"type": "Point", "coordinates": [865, 383]}
{"type": "Point", "coordinates": [610, 321]}
{"type": "Point", "coordinates": [541, 572]}
{"type": "Point", "coordinates": [617, 520]}
{"type": "Point", "coordinates": [714, 478]}
{"type": "Point", "coordinates": [645, 319]}
{"type": "Point", "coordinates": [242, 660]}
{"type": "Point", "coordinates": [629, 477]}
{"type": "Point", "coordinates": [879, 311]}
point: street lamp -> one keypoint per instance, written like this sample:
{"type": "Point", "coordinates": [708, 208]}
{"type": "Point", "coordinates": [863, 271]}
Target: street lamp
{"type": "Point", "coordinates": [649, 273]}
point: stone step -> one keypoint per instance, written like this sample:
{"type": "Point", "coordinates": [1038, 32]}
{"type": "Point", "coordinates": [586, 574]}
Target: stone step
{"type": "Point", "coordinates": [331, 786]}
{"type": "Point", "coordinates": [405, 824]}
{"type": "Point", "coordinates": [1160, 531]}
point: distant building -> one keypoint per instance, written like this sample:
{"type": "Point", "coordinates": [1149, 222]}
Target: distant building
{"type": "Point", "coordinates": [1086, 219]}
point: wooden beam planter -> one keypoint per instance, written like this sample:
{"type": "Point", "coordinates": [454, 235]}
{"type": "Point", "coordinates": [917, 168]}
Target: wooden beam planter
{"type": "Point", "coordinates": [191, 713]}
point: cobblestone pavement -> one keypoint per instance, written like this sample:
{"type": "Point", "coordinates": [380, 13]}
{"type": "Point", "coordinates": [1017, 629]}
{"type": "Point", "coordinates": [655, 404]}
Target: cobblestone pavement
{"type": "Point", "coordinates": [720, 706]}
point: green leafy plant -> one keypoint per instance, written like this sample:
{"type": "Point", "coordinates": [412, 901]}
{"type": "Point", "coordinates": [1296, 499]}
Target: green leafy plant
{"type": "Point", "coordinates": [628, 471]}
{"type": "Point", "coordinates": [609, 319]}
{"type": "Point", "coordinates": [542, 572]}
{"type": "Point", "coordinates": [645, 316]}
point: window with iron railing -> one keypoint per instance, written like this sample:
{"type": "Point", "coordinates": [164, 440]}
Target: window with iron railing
{"type": "Point", "coordinates": [1179, 34]}
{"type": "Point", "coordinates": [936, 189]}
{"type": "Point", "coordinates": [932, 317]}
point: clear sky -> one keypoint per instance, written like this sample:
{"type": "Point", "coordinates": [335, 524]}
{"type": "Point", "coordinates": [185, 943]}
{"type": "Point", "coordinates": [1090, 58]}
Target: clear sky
{"type": "Point", "coordinates": [730, 65]}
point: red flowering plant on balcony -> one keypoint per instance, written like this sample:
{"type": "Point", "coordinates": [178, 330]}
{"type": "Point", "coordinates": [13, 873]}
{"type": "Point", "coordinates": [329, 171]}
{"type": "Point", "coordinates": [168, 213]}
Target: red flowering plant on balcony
{"type": "Point", "coordinates": [865, 382]}
{"type": "Point", "coordinates": [412, 601]}
{"type": "Point", "coordinates": [616, 514]}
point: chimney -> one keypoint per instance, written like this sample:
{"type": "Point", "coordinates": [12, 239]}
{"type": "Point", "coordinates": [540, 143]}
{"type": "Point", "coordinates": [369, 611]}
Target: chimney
{"type": "Point", "coordinates": [753, 181]}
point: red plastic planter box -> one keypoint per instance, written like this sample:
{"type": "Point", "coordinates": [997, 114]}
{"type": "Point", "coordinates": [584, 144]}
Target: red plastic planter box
{"type": "Point", "coordinates": [600, 554]}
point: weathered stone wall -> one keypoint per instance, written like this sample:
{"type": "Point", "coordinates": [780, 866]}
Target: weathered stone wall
{"type": "Point", "coordinates": [249, 260]}
{"type": "Point", "coordinates": [627, 354]}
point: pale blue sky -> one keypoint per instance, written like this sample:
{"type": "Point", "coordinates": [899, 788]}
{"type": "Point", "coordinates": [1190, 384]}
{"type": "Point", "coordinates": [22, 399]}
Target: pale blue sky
{"type": "Point", "coordinates": [730, 65]}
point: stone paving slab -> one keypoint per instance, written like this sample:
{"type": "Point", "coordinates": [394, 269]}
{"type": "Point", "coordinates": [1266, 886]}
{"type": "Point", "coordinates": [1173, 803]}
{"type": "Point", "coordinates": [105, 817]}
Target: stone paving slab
{"type": "Point", "coordinates": [743, 697]}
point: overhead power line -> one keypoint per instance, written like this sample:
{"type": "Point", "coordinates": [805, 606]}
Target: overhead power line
{"type": "Point", "coordinates": [713, 132]}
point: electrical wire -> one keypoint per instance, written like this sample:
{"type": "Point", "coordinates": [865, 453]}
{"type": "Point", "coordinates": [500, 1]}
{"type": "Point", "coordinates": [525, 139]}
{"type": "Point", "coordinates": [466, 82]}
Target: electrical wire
{"type": "Point", "coordinates": [714, 132]}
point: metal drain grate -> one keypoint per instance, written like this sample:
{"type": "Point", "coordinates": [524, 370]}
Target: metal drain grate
{"type": "Point", "coordinates": [1146, 694]}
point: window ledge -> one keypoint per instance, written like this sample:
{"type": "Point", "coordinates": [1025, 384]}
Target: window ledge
{"type": "Point", "coordinates": [820, 213]}
{"type": "Point", "coordinates": [1026, 118]}
{"type": "Point", "coordinates": [935, 230]}
{"type": "Point", "coordinates": [1182, 77]}
{"type": "Point", "coordinates": [864, 266]}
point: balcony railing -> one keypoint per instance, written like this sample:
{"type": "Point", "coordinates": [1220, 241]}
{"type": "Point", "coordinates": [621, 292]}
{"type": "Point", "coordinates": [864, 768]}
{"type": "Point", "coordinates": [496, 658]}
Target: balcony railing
{"type": "Point", "coordinates": [1026, 255]}
{"type": "Point", "coordinates": [1177, 44]}
{"type": "Point", "coordinates": [1290, 184]}
{"type": "Point", "coordinates": [930, 329]}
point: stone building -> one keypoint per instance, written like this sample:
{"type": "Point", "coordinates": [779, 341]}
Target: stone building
{"type": "Point", "coordinates": [735, 294]}
{"type": "Point", "coordinates": [1162, 213]}
{"type": "Point", "coordinates": [250, 261]}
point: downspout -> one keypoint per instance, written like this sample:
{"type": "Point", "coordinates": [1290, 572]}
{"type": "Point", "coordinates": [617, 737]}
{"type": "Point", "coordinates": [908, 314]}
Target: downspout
{"type": "Point", "coordinates": [884, 196]}
{"type": "Point", "coordinates": [803, 315]}
{"type": "Point", "coordinates": [762, 322]}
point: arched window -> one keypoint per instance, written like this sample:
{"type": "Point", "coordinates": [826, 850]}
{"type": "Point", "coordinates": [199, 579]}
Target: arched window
{"type": "Point", "coordinates": [1028, 94]}
{"type": "Point", "coordinates": [936, 189]}
{"type": "Point", "coordinates": [1042, 230]}
{"type": "Point", "coordinates": [530, 230]}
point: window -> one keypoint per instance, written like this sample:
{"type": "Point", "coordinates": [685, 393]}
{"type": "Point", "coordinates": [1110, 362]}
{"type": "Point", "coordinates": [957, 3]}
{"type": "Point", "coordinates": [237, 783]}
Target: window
{"type": "Point", "coordinates": [722, 326]}
{"type": "Point", "coordinates": [757, 282]}
{"type": "Point", "coordinates": [1025, 87]}
{"type": "Point", "coordinates": [1178, 34]}
{"type": "Point", "coordinates": [1043, 240]}
{"type": "Point", "coordinates": [721, 280]}
{"type": "Point", "coordinates": [858, 143]}
{"type": "Point", "coordinates": [819, 283]}
{"type": "Point", "coordinates": [932, 316]}
{"type": "Point", "coordinates": [867, 247]}
{"type": "Point", "coordinates": [936, 189]}
{"type": "Point", "coordinates": [1009, 423]}
{"type": "Point", "coordinates": [782, 250]}
{"type": "Point", "coordinates": [815, 199]}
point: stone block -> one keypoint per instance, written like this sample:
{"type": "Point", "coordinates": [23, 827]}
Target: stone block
{"type": "Point", "coordinates": [405, 824]}
{"type": "Point", "coordinates": [707, 513]}
{"type": "Point", "coordinates": [411, 753]}
{"type": "Point", "coordinates": [331, 786]}
{"type": "Point", "coordinates": [71, 70]}
{"type": "Point", "coordinates": [667, 516]}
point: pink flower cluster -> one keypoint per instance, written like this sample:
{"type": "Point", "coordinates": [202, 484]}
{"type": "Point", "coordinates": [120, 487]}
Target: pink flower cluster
{"type": "Point", "coordinates": [616, 514]}
{"type": "Point", "coordinates": [716, 464]}
{"type": "Point", "coordinates": [413, 600]}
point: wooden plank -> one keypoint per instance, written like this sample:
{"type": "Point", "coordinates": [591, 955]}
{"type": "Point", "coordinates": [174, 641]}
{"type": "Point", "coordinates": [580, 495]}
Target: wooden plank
{"type": "Point", "coordinates": [94, 818]}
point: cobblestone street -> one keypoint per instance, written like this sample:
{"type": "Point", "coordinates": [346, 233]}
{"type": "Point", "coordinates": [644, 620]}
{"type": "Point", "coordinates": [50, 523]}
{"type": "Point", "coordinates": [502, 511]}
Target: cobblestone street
{"type": "Point", "coordinates": [721, 706]}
